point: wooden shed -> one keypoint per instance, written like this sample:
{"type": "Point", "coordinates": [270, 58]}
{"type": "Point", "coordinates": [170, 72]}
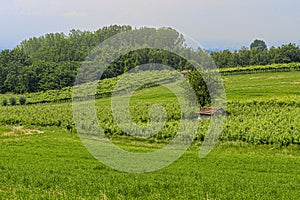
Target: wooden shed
{"type": "Point", "coordinates": [210, 112]}
{"type": "Point", "coordinates": [184, 73]}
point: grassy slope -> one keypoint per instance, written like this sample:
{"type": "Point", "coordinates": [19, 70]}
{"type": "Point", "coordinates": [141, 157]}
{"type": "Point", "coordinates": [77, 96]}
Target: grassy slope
{"type": "Point", "coordinates": [263, 85]}
{"type": "Point", "coordinates": [56, 164]}
{"type": "Point", "coordinates": [245, 87]}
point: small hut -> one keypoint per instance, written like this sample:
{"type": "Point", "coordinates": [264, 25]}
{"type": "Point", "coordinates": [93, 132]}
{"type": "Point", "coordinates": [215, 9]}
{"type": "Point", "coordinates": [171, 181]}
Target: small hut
{"type": "Point", "coordinates": [184, 73]}
{"type": "Point", "coordinates": [209, 112]}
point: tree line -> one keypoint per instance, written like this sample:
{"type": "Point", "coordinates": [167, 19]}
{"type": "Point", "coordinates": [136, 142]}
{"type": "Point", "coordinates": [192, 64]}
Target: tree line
{"type": "Point", "coordinates": [258, 54]}
{"type": "Point", "coordinates": [51, 62]}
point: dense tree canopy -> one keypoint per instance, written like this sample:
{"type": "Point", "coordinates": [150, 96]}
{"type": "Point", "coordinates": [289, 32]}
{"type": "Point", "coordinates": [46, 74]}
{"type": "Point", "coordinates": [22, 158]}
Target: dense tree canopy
{"type": "Point", "coordinates": [258, 44]}
{"type": "Point", "coordinates": [259, 55]}
{"type": "Point", "coordinates": [52, 61]}
{"type": "Point", "coordinates": [200, 88]}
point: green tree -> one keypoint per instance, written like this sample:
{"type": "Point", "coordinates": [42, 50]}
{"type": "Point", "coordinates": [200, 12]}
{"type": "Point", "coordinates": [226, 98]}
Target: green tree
{"type": "Point", "coordinates": [290, 52]}
{"type": "Point", "coordinates": [4, 102]}
{"type": "Point", "coordinates": [12, 101]}
{"type": "Point", "coordinates": [11, 81]}
{"type": "Point", "coordinates": [200, 88]}
{"type": "Point", "coordinates": [258, 43]}
{"type": "Point", "coordinates": [244, 56]}
{"type": "Point", "coordinates": [22, 100]}
{"type": "Point", "coordinates": [28, 80]}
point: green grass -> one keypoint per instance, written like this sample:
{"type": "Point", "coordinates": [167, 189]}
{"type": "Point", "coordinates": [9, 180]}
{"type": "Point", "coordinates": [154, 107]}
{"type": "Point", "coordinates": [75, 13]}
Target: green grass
{"type": "Point", "coordinates": [243, 87]}
{"type": "Point", "coordinates": [262, 86]}
{"type": "Point", "coordinates": [55, 165]}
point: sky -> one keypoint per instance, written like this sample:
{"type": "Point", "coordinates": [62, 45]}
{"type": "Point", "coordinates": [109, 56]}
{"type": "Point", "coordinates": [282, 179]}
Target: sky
{"type": "Point", "coordinates": [215, 24]}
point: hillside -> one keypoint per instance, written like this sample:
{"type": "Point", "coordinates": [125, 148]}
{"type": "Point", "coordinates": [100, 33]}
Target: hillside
{"type": "Point", "coordinates": [51, 61]}
{"type": "Point", "coordinates": [254, 101]}
{"type": "Point", "coordinates": [256, 156]}
{"type": "Point", "coordinates": [107, 86]}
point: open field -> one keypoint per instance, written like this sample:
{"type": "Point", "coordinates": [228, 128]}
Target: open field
{"type": "Point", "coordinates": [257, 157]}
{"type": "Point", "coordinates": [263, 86]}
{"type": "Point", "coordinates": [56, 165]}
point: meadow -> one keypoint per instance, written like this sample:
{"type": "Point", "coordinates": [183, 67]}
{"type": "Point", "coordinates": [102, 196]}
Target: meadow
{"type": "Point", "coordinates": [263, 86]}
{"type": "Point", "coordinates": [55, 165]}
{"type": "Point", "coordinates": [256, 157]}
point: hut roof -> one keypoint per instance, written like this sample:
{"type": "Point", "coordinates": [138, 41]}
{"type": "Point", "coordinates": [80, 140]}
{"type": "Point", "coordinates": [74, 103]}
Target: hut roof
{"type": "Point", "coordinates": [208, 110]}
{"type": "Point", "coordinates": [185, 71]}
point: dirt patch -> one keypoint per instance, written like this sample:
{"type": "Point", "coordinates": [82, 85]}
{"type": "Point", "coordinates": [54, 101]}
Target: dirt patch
{"type": "Point", "coordinates": [19, 130]}
{"type": "Point", "coordinates": [291, 83]}
{"type": "Point", "coordinates": [295, 83]}
{"type": "Point", "coordinates": [253, 78]}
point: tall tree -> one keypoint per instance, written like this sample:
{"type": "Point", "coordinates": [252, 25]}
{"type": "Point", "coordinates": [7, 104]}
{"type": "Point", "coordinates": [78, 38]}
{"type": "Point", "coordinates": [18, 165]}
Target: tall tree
{"type": "Point", "coordinates": [258, 43]}
{"type": "Point", "coordinates": [200, 88]}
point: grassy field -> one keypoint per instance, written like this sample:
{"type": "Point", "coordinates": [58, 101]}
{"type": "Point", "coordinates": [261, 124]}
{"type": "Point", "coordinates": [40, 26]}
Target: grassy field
{"type": "Point", "coordinates": [262, 86]}
{"type": "Point", "coordinates": [245, 87]}
{"type": "Point", "coordinates": [42, 160]}
{"type": "Point", "coordinates": [56, 165]}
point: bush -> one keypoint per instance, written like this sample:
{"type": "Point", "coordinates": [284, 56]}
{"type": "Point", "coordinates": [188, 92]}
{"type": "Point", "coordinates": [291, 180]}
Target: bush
{"type": "Point", "coordinates": [22, 100]}
{"type": "Point", "coordinates": [4, 102]}
{"type": "Point", "coordinates": [12, 101]}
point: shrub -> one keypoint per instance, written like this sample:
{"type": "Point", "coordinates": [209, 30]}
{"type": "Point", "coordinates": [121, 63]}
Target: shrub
{"type": "Point", "coordinates": [12, 101]}
{"type": "Point", "coordinates": [22, 100]}
{"type": "Point", "coordinates": [4, 102]}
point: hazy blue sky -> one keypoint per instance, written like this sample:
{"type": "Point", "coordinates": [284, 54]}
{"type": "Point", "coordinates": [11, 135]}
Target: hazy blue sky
{"type": "Point", "coordinates": [214, 23]}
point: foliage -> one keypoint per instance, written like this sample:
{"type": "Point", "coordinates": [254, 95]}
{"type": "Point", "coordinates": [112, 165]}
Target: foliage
{"type": "Point", "coordinates": [263, 123]}
{"type": "Point", "coordinates": [254, 101]}
{"type": "Point", "coordinates": [4, 102]}
{"type": "Point", "coordinates": [287, 53]}
{"type": "Point", "coordinates": [265, 120]}
{"type": "Point", "coordinates": [105, 87]}
{"type": "Point", "coordinates": [259, 68]}
{"type": "Point", "coordinates": [258, 44]}
{"type": "Point", "coordinates": [12, 100]}
{"type": "Point", "coordinates": [22, 100]}
{"type": "Point", "coordinates": [50, 62]}
{"type": "Point", "coordinates": [200, 88]}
